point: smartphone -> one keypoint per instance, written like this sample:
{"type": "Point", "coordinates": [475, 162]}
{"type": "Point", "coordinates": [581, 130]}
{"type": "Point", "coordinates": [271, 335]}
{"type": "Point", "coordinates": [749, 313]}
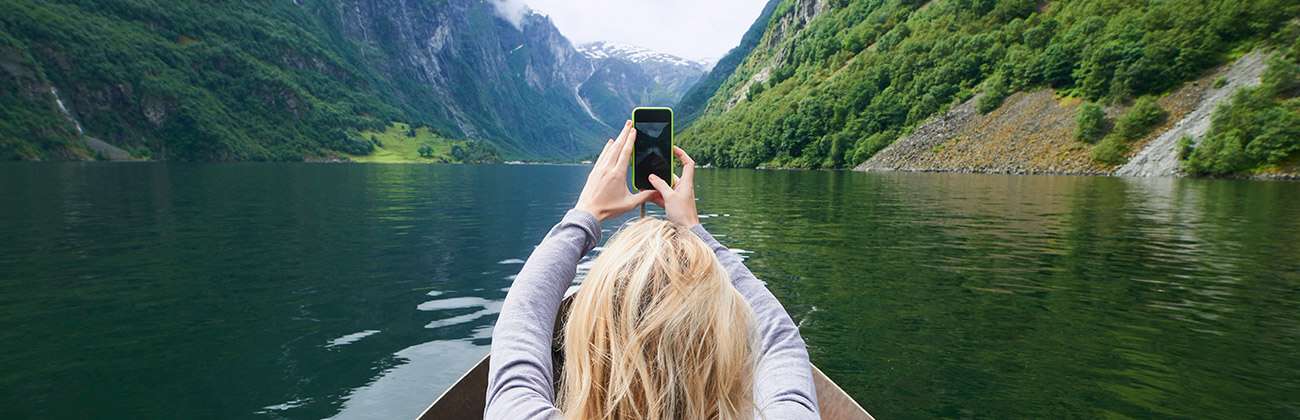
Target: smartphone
{"type": "Point", "coordinates": [653, 147]}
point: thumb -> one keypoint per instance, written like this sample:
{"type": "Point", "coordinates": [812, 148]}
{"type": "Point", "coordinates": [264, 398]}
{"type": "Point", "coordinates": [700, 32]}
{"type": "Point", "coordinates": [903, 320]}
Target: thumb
{"type": "Point", "coordinates": [660, 185]}
{"type": "Point", "coordinates": [643, 196]}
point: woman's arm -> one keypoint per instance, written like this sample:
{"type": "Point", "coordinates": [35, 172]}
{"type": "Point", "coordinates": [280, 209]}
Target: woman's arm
{"type": "Point", "coordinates": [783, 384]}
{"type": "Point", "coordinates": [783, 381]}
{"type": "Point", "coordinates": [520, 378]}
{"type": "Point", "coordinates": [520, 373]}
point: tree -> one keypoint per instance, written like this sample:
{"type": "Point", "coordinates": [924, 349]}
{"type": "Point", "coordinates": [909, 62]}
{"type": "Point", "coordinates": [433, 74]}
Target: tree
{"type": "Point", "coordinates": [755, 89]}
{"type": "Point", "coordinates": [995, 91]}
{"type": "Point", "coordinates": [1143, 117]}
{"type": "Point", "coordinates": [1090, 123]}
{"type": "Point", "coordinates": [426, 151]}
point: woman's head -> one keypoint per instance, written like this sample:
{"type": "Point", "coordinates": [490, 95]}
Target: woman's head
{"type": "Point", "coordinates": [657, 332]}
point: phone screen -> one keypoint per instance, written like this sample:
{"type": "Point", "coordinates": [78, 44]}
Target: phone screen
{"type": "Point", "coordinates": [654, 143]}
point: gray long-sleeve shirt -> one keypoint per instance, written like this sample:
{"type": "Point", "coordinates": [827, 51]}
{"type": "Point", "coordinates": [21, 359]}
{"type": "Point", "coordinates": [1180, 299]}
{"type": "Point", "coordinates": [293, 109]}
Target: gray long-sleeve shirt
{"type": "Point", "coordinates": [520, 382]}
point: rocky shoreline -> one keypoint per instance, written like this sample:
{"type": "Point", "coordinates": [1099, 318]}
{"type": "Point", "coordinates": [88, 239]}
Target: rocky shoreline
{"type": "Point", "coordinates": [1032, 133]}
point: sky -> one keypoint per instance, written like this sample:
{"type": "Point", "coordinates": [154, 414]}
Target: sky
{"type": "Point", "coordinates": [694, 29]}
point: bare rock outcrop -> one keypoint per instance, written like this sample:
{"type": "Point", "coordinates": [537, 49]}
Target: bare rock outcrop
{"type": "Point", "coordinates": [1160, 156]}
{"type": "Point", "coordinates": [1033, 132]}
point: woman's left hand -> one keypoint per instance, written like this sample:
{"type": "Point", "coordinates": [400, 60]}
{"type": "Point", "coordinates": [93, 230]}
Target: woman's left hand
{"type": "Point", "coordinates": [606, 194]}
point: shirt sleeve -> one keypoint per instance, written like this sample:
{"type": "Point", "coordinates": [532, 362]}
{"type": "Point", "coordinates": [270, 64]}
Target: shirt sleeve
{"type": "Point", "coordinates": [783, 378]}
{"type": "Point", "coordinates": [520, 371]}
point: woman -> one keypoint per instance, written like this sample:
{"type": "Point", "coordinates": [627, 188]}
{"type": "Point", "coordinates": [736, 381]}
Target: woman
{"type": "Point", "coordinates": [669, 324]}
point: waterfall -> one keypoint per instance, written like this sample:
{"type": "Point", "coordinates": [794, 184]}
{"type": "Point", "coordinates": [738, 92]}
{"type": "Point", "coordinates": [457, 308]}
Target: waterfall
{"type": "Point", "coordinates": [64, 109]}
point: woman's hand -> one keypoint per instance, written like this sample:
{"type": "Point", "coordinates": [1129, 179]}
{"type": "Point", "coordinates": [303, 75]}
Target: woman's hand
{"type": "Point", "coordinates": [606, 194]}
{"type": "Point", "coordinates": [678, 202]}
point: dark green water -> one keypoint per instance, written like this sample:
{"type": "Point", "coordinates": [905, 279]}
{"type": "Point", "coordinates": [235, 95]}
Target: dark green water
{"type": "Point", "coordinates": [310, 291]}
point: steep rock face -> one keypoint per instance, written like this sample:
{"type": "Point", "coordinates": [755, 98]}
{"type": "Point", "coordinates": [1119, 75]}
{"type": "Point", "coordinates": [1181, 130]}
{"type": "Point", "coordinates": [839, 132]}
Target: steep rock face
{"type": "Point", "coordinates": [695, 100]}
{"type": "Point", "coordinates": [622, 77]}
{"type": "Point", "coordinates": [775, 46]}
{"type": "Point", "coordinates": [288, 81]}
{"type": "Point", "coordinates": [1160, 156]}
{"type": "Point", "coordinates": [488, 77]}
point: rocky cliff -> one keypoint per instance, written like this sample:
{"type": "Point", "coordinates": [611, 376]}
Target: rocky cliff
{"type": "Point", "coordinates": [623, 77]}
{"type": "Point", "coordinates": [190, 80]}
{"type": "Point", "coordinates": [490, 78]}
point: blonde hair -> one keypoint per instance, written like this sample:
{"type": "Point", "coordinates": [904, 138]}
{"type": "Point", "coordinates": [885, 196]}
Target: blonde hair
{"type": "Point", "coordinates": [657, 332]}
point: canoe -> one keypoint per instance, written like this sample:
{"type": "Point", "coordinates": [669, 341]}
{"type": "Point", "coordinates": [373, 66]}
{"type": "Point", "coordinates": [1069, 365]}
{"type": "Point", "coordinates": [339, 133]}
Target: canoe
{"type": "Point", "coordinates": [468, 396]}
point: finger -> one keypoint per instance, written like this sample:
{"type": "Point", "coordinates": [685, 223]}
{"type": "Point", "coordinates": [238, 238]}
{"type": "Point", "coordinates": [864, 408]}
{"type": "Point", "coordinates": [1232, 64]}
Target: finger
{"type": "Point", "coordinates": [657, 198]}
{"type": "Point", "coordinates": [643, 196]}
{"type": "Point", "coordinates": [622, 135]}
{"type": "Point", "coordinates": [628, 145]}
{"type": "Point", "coordinates": [604, 154]}
{"type": "Point", "coordinates": [660, 185]}
{"type": "Point", "coordinates": [688, 166]}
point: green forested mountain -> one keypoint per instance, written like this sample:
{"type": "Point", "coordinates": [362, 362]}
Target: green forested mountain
{"type": "Point", "coordinates": [695, 99]}
{"type": "Point", "coordinates": [284, 80]}
{"type": "Point", "coordinates": [833, 82]}
{"type": "Point", "coordinates": [214, 80]}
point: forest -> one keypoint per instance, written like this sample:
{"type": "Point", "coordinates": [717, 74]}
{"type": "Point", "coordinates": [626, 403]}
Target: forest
{"type": "Point", "coordinates": [864, 73]}
{"type": "Point", "coordinates": [219, 78]}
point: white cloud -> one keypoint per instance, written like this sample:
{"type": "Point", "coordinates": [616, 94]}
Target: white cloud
{"type": "Point", "coordinates": [696, 29]}
{"type": "Point", "coordinates": [512, 11]}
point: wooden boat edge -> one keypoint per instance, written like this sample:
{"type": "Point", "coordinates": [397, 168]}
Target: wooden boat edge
{"type": "Point", "coordinates": [466, 398]}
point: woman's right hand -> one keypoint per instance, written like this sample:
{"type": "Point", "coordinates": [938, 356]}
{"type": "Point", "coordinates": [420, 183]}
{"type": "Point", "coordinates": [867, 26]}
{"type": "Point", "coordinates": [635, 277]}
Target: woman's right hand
{"type": "Point", "coordinates": [678, 202]}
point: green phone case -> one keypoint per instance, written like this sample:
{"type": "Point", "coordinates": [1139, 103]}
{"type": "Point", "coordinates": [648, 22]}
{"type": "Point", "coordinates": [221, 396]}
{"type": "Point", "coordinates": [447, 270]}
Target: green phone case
{"type": "Point", "coordinates": [672, 138]}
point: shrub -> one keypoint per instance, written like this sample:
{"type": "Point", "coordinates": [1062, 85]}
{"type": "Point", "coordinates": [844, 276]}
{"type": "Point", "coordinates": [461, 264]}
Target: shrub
{"type": "Point", "coordinates": [869, 146]}
{"type": "Point", "coordinates": [780, 74]}
{"type": "Point", "coordinates": [1090, 123]}
{"type": "Point", "coordinates": [350, 144]}
{"type": "Point", "coordinates": [1281, 78]}
{"type": "Point", "coordinates": [1185, 147]}
{"type": "Point", "coordinates": [1220, 154]}
{"type": "Point", "coordinates": [995, 91]}
{"type": "Point", "coordinates": [755, 89]}
{"type": "Point", "coordinates": [1111, 150]}
{"type": "Point", "coordinates": [1253, 129]}
{"type": "Point", "coordinates": [1144, 116]}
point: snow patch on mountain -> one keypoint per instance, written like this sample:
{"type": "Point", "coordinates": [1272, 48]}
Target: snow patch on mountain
{"type": "Point", "coordinates": [601, 50]}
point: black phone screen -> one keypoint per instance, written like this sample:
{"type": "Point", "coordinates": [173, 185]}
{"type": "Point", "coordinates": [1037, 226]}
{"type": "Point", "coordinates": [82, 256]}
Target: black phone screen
{"type": "Point", "coordinates": [653, 148]}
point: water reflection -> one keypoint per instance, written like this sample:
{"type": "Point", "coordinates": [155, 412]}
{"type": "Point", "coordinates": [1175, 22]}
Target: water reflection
{"type": "Point", "coordinates": [1004, 296]}
{"type": "Point", "coordinates": [312, 291]}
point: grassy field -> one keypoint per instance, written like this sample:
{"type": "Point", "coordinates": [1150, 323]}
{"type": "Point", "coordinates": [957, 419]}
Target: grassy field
{"type": "Point", "coordinates": [395, 145]}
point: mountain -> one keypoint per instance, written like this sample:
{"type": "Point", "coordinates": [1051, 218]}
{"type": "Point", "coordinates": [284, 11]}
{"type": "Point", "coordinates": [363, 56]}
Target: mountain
{"type": "Point", "coordinates": [283, 80]}
{"type": "Point", "coordinates": [510, 82]}
{"type": "Point", "coordinates": [832, 82]}
{"type": "Point", "coordinates": [694, 100]}
{"type": "Point", "coordinates": [623, 77]}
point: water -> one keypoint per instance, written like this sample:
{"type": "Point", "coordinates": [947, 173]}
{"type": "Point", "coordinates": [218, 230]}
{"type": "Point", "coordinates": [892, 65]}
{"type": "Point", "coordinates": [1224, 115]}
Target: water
{"type": "Point", "coordinates": [357, 291]}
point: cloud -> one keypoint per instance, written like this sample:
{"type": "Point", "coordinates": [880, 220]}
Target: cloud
{"type": "Point", "coordinates": [512, 11]}
{"type": "Point", "coordinates": [695, 29]}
